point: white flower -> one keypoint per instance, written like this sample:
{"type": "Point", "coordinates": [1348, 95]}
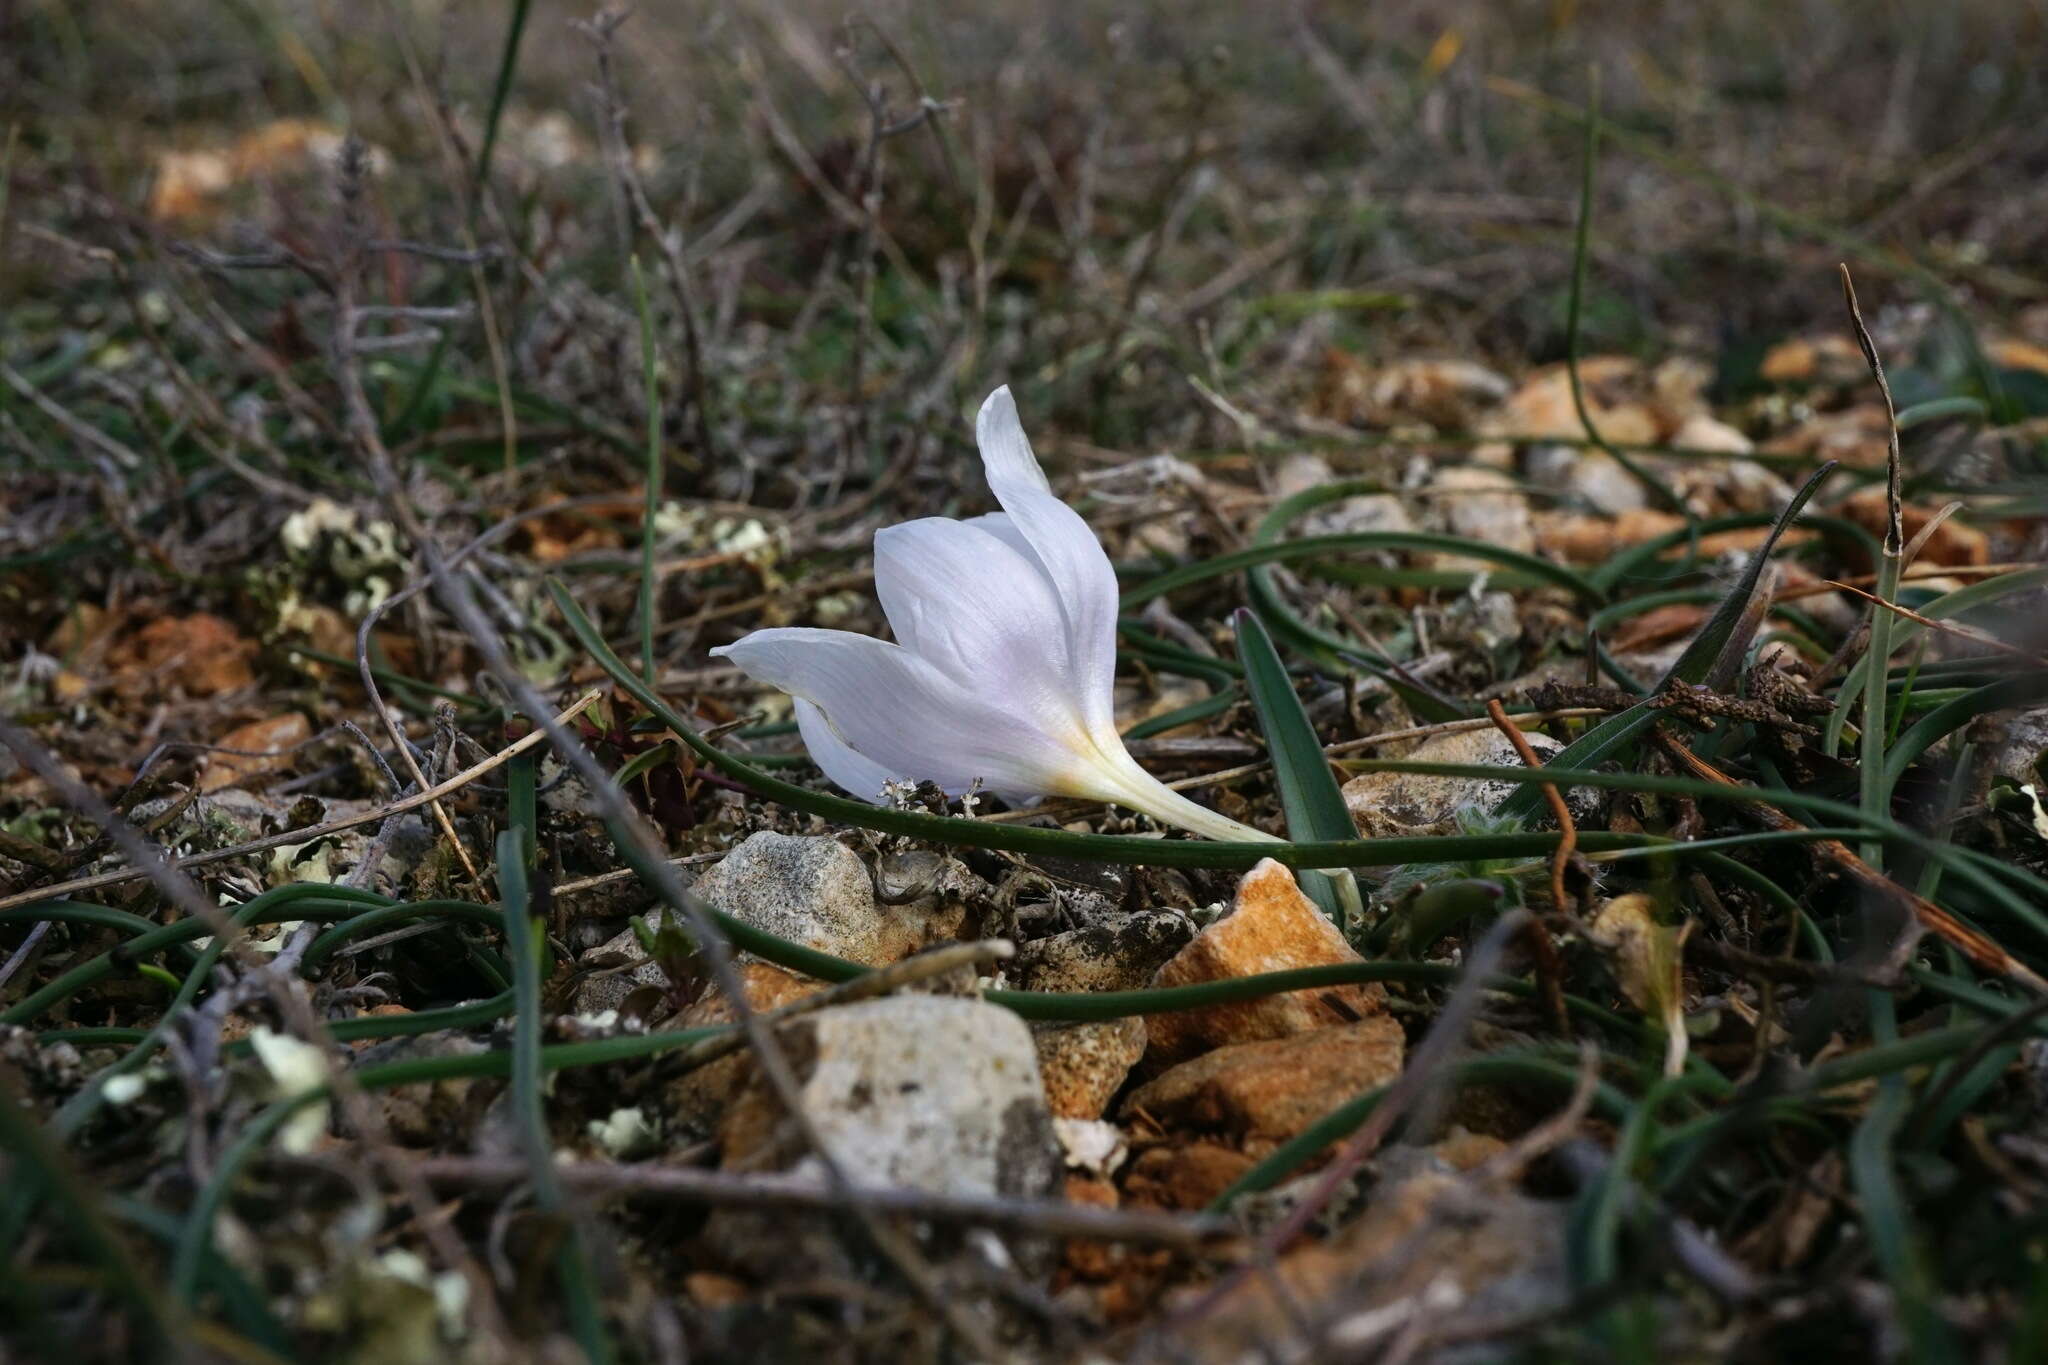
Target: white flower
{"type": "Point", "coordinates": [1004, 662]}
{"type": "Point", "coordinates": [624, 1133]}
{"type": "Point", "coordinates": [296, 1068]}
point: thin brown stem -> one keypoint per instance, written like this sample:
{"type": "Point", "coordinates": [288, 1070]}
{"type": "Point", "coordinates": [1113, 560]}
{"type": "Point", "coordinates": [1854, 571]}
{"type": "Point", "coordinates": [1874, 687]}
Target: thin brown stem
{"type": "Point", "coordinates": [689, 1185]}
{"type": "Point", "coordinates": [1972, 943]}
{"type": "Point", "coordinates": [1549, 968]}
{"type": "Point", "coordinates": [310, 832]}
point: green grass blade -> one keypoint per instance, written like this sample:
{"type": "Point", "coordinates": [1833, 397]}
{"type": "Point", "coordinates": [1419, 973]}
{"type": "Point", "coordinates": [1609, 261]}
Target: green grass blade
{"type": "Point", "coordinates": [2012, 899]}
{"type": "Point", "coordinates": [501, 90]}
{"type": "Point", "coordinates": [522, 804]}
{"type": "Point", "coordinates": [40, 1169]}
{"type": "Point", "coordinates": [1614, 739]}
{"type": "Point", "coordinates": [1309, 795]}
{"type": "Point", "coordinates": [1904, 632]}
{"type": "Point", "coordinates": [1882, 1204]}
{"type": "Point", "coordinates": [1315, 547]}
{"type": "Point", "coordinates": [650, 390]}
{"type": "Point", "coordinates": [1702, 657]}
{"type": "Point", "coordinates": [2022, 689]}
{"type": "Point", "coordinates": [572, 1261]}
{"type": "Point", "coordinates": [1574, 315]}
{"type": "Point", "coordinates": [1341, 1122]}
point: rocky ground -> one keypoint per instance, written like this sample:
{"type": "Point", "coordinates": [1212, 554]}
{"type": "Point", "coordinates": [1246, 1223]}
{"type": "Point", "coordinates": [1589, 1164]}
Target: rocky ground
{"type": "Point", "coordinates": [361, 409]}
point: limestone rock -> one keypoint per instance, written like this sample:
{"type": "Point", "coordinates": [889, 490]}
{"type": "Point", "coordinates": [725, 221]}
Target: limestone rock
{"type": "Point", "coordinates": [1824, 358]}
{"type": "Point", "coordinates": [1702, 431]}
{"type": "Point", "coordinates": [1445, 394]}
{"type": "Point", "coordinates": [1183, 1175]}
{"type": "Point", "coordinates": [1951, 543]}
{"type": "Point", "coordinates": [1119, 952]}
{"type": "Point", "coordinates": [2020, 753]}
{"type": "Point", "coordinates": [1542, 408]}
{"type": "Point", "coordinates": [1605, 485]}
{"type": "Point", "coordinates": [1722, 487]}
{"type": "Point", "coordinates": [1085, 1064]}
{"type": "Point", "coordinates": [1364, 512]}
{"type": "Point", "coordinates": [813, 891]}
{"type": "Point", "coordinates": [201, 654]}
{"type": "Point", "coordinates": [1480, 504]}
{"type": "Point", "coordinates": [1858, 436]}
{"type": "Point", "coordinates": [817, 892]}
{"type": "Point", "coordinates": [1092, 1147]}
{"type": "Point", "coordinates": [1387, 805]}
{"type": "Point", "coordinates": [925, 1092]}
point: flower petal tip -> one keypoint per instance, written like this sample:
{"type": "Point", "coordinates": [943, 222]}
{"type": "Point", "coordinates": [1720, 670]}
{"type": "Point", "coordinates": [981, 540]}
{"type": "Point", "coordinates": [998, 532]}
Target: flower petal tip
{"type": "Point", "coordinates": [1005, 449]}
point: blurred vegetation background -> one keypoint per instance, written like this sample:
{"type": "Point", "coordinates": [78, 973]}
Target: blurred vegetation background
{"type": "Point", "coordinates": [1106, 198]}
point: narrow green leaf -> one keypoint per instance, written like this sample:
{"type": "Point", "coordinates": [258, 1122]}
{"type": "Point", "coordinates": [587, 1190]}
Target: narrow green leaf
{"type": "Point", "coordinates": [526, 949]}
{"type": "Point", "coordinates": [1262, 553]}
{"type": "Point", "coordinates": [1271, 544]}
{"type": "Point", "coordinates": [1882, 1202]}
{"type": "Point", "coordinates": [1506, 1068]}
{"type": "Point", "coordinates": [1309, 795]}
{"type": "Point", "coordinates": [501, 89]}
{"type": "Point", "coordinates": [1127, 850]}
{"type": "Point", "coordinates": [650, 389]}
{"type": "Point", "coordinates": [522, 804]}
{"type": "Point", "coordinates": [1705, 652]}
{"type": "Point", "coordinates": [1582, 238]}
{"type": "Point", "coordinates": [1937, 409]}
{"type": "Point", "coordinates": [1391, 852]}
{"type": "Point", "coordinates": [1642, 561]}
{"type": "Point", "coordinates": [1613, 738]}
{"type": "Point", "coordinates": [245, 1307]}
{"type": "Point", "coordinates": [40, 1169]}
{"type": "Point", "coordinates": [2022, 689]}
{"type": "Point", "coordinates": [1946, 607]}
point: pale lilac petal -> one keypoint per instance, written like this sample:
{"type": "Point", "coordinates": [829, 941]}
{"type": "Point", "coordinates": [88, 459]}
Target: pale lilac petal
{"type": "Point", "coordinates": [1071, 557]}
{"type": "Point", "coordinates": [999, 525]}
{"type": "Point", "coordinates": [1004, 662]}
{"type": "Point", "coordinates": [851, 771]}
{"type": "Point", "coordinates": [972, 605]}
{"type": "Point", "coordinates": [1005, 449]}
{"type": "Point", "coordinates": [904, 715]}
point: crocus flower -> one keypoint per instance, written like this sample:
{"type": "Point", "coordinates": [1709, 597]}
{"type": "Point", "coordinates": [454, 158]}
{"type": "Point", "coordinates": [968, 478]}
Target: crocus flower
{"type": "Point", "coordinates": [1004, 660]}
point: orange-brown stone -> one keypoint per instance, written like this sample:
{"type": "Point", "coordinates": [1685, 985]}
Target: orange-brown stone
{"type": "Point", "coordinates": [1273, 1089]}
{"type": "Point", "coordinates": [1272, 927]}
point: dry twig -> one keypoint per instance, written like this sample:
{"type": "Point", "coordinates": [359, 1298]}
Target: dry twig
{"type": "Point", "coordinates": [1187, 1232]}
{"type": "Point", "coordinates": [1548, 967]}
{"type": "Point", "coordinates": [311, 832]}
{"type": "Point", "coordinates": [1973, 944]}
